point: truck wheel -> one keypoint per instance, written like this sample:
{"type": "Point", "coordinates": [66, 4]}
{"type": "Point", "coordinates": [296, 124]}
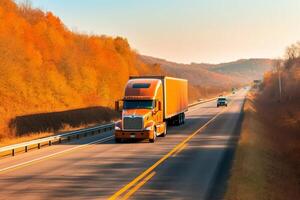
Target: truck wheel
{"type": "Point", "coordinates": [154, 136]}
{"type": "Point", "coordinates": [164, 133]}
{"type": "Point", "coordinates": [183, 118]}
{"type": "Point", "coordinates": [152, 140]}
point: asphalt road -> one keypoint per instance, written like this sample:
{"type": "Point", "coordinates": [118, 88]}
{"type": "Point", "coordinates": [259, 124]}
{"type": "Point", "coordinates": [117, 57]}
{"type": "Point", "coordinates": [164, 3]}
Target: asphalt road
{"type": "Point", "coordinates": [192, 162]}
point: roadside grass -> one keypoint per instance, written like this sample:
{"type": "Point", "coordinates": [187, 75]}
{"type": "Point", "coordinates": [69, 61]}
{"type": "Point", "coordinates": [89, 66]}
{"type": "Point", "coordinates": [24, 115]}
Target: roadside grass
{"type": "Point", "coordinates": [267, 164]}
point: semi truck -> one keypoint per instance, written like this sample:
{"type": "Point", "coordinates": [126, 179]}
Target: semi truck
{"type": "Point", "coordinates": [150, 104]}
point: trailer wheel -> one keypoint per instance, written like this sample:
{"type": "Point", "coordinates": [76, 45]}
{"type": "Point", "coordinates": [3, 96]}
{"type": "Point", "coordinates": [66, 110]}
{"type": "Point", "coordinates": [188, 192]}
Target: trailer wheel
{"type": "Point", "coordinates": [181, 119]}
{"type": "Point", "coordinates": [178, 120]}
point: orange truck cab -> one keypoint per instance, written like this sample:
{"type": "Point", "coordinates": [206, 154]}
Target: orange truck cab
{"type": "Point", "coordinates": [149, 104]}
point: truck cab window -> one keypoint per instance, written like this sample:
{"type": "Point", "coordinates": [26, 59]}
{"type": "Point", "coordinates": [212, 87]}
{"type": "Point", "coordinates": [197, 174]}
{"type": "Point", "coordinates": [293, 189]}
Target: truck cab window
{"type": "Point", "coordinates": [139, 104]}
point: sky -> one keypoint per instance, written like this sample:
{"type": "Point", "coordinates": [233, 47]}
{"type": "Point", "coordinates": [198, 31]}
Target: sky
{"type": "Point", "coordinates": [210, 31]}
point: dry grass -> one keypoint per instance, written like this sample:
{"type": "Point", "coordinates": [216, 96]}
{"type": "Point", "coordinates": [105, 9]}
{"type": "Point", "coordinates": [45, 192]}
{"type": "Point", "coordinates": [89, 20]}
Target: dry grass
{"type": "Point", "coordinates": [267, 161]}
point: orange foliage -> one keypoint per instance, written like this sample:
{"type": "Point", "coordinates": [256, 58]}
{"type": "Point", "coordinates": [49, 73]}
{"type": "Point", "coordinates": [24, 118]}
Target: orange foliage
{"type": "Point", "coordinates": [45, 67]}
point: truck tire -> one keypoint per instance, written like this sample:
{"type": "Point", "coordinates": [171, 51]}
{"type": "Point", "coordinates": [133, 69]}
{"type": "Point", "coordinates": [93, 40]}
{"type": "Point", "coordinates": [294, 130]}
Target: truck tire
{"type": "Point", "coordinates": [154, 136]}
{"type": "Point", "coordinates": [164, 133]}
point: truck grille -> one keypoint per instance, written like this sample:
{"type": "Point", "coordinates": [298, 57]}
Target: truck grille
{"type": "Point", "coordinates": [133, 123]}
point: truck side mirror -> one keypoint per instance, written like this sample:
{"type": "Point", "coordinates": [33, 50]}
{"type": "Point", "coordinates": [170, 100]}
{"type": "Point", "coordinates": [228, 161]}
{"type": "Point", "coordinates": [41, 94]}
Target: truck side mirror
{"type": "Point", "coordinates": [159, 105]}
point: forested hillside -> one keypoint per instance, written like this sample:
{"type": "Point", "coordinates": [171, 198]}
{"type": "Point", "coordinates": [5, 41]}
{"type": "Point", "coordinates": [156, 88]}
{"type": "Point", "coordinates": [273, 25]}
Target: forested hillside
{"type": "Point", "coordinates": [45, 67]}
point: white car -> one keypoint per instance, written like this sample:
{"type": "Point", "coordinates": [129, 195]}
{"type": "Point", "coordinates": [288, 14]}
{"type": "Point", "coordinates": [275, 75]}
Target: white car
{"type": "Point", "coordinates": [222, 101]}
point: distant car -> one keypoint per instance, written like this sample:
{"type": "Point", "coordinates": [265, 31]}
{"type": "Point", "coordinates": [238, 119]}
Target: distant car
{"type": "Point", "coordinates": [222, 101]}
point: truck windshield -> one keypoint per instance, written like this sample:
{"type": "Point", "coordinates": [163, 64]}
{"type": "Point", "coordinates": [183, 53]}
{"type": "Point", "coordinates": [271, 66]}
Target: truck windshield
{"type": "Point", "coordinates": [222, 99]}
{"type": "Point", "coordinates": [138, 104]}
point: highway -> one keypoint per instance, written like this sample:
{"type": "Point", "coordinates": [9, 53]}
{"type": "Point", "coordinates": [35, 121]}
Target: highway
{"type": "Point", "coordinates": [191, 162]}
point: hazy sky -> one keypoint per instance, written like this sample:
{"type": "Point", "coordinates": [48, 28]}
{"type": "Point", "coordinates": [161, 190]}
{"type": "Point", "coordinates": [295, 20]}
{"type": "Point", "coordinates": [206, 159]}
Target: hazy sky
{"type": "Point", "coordinates": [188, 30]}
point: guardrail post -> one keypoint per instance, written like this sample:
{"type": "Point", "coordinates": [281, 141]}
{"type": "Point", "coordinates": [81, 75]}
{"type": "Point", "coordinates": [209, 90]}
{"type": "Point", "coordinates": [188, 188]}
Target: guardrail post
{"type": "Point", "coordinates": [77, 136]}
{"type": "Point", "coordinates": [50, 142]}
{"type": "Point", "coordinates": [13, 152]}
{"type": "Point", "coordinates": [59, 140]}
{"type": "Point", "coordinates": [39, 145]}
{"type": "Point", "coordinates": [69, 138]}
{"type": "Point", "coordinates": [26, 148]}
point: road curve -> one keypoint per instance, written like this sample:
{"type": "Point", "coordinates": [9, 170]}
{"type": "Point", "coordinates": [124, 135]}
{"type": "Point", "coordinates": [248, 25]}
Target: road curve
{"type": "Point", "coordinates": [192, 162]}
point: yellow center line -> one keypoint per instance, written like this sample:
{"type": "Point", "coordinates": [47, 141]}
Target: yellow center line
{"type": "Point", "coordinates": [136, 187]}
{"type": "Point", "coordinates": [179, 150]}
{"type": "Point", "coordinates": [161, 160]}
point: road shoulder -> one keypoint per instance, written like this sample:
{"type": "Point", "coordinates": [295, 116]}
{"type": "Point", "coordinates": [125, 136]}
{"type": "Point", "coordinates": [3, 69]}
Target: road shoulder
{"type": "Point", "coordinates": [260, 168]}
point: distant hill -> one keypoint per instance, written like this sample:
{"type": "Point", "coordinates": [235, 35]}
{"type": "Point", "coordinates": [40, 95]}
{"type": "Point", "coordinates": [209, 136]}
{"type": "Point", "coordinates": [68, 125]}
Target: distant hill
{"type": "Point", "coordinates": [237, 72]}
{"type": "Point", "coordinates": [197, 74]}
{"type": "Point", "coordinates": [247, 69]}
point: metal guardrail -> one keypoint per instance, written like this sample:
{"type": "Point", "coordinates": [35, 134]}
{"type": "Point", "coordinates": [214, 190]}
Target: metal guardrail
{"type": "Point", "coordinates": [48, 141]}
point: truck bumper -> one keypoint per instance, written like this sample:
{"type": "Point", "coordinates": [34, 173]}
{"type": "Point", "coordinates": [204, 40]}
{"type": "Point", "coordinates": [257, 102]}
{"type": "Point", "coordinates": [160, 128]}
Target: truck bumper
{"type": "Point", "coordinates": [145, 134]}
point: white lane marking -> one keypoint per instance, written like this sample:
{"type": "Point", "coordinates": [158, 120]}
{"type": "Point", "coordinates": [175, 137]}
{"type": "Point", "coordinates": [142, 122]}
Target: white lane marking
{"type": "Point", "coordinates": [57, 153]}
